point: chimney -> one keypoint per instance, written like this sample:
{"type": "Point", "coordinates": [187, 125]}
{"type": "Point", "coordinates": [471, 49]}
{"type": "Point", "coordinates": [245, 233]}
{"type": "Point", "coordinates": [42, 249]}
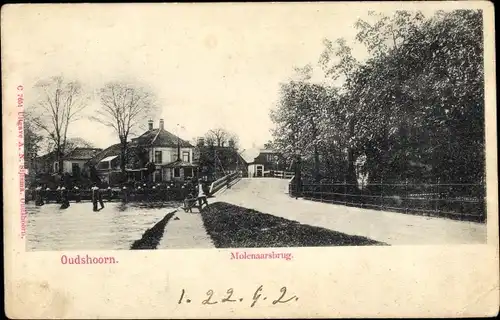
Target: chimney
{"type": "Point", "coordinates": [162, 124]}
{"type": "Point", "coordinates": [150, 125]}
{"type": "Point", "coordinates": [201, 141]}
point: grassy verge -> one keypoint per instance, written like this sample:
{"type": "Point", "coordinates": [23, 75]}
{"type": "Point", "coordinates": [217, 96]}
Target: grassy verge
{"type": "Point", "coordinates": [232, 226]}
{"type": "Point", "coordinates": [151, 238]}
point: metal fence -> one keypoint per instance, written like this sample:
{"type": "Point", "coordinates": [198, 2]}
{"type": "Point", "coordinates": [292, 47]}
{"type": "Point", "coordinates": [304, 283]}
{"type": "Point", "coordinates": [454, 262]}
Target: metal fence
{"type": "Point", "coordinates": [125, 195]}
{"type": "Point", "coordinates": [451, 200]}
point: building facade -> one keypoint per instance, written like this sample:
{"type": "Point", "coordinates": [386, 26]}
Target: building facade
{"type": "Point", "coordinates": [171, 156]}
{"type": "Point", "coordinates": [262, 161]}
{"type": "Point", "coordinates": [73, 162]}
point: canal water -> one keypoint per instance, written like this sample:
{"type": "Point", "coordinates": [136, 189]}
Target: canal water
{"type": "Point", "coordinates": [115, 227]}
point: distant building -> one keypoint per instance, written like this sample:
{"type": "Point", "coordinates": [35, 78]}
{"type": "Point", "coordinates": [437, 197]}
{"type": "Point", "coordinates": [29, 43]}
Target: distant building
{"type": "Point", "coordinates": [73, 161]}
{"type": "Point", "coordinates": [260, 161]}
{"type": "Point", "coordinates": [217, 161]}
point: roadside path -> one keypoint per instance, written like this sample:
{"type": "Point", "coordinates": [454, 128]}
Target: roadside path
{"type": "Point", "coordinates": [187, 232]}
{"type": "Point", "coordinates": [268, 195]}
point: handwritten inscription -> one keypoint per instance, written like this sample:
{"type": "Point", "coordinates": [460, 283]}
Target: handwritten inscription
{"type": "Point", "coordinates": [258, 296]}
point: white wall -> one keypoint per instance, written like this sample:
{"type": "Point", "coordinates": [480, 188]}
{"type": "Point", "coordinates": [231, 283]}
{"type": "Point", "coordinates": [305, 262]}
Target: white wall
{"type": "Point", "coordinates": [68, 165]}
{"type": "Point", "coordinates": [251, 170]}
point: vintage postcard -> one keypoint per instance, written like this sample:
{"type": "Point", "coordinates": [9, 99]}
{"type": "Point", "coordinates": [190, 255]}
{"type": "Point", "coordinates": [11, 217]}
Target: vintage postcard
{"type": "Point", "coordinates": [250, 160]}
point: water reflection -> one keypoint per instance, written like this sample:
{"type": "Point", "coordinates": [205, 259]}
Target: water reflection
{"type": "Point", "coordinates": [115, 227]}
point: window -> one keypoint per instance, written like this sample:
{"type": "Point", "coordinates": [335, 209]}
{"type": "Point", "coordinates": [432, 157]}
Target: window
{"type": "Point", "coordinates": [270, 157]}
{"type": "Point", "coordinates": [188, 172]}
{"type": "Point", "coordinates": [158, 158]}
{"type": "Point", "coordinates": [185, 156]}
{"type": "Point", "coordinates": [75, 169]}
{"type": "Point", "coordinates": [177, 172]}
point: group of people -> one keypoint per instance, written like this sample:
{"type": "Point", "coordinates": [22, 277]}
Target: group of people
{"type": "Point", "coordinates": [63, 196]}
{"type": "Point", "coordinates": [197, 195]}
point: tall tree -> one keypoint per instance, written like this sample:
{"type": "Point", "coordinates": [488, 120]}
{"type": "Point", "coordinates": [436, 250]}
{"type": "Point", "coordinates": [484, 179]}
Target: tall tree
{"type": "Point", "coordinates": [32, 143]}
{"type": "Point", "coordinates": [414, 109]}
{"type": "Point", "coordinates": [124, 107]}
{"type": "Point", "coordinates": [59, 103]}
{"type": "Point", "coordinates": [298, 119]}
{"type": "Point", "coordinates": [219, 137]}
{"type": "Point", "coordinates": [338, 62]}
{"type": "Point", "coordinates": [388, 32]}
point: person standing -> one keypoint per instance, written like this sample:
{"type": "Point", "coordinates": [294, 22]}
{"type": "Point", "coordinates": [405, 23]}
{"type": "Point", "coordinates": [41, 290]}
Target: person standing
{"type": "Point", "coordinates": [99, 193]}
{"type": "Point", "coordinates": [39, 196]}
{"type": "Point", "coordinates": [202, 197]}
{"type": "Point", "coordinates": [64, 198]}
{"type": "Point", "coordinates": [78, 194]}
{"type": "Point", "coordinates": [95, 197]}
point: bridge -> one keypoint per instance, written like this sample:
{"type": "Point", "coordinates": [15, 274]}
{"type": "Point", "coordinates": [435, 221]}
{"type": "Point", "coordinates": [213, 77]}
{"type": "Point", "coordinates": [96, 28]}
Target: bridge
{"type": "Point", "coordinates": [270, 195]}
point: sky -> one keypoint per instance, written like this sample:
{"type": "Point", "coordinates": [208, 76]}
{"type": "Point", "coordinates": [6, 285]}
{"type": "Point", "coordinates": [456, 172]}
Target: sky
{"type": "Point", "coordinates": [209, 65]}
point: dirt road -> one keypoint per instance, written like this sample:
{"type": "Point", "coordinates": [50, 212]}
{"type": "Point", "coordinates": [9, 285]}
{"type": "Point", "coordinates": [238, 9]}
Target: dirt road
{"type": "Point", "coordinates": [268, 195]}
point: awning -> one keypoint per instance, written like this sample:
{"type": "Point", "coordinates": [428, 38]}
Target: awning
{"type": "Point", "coordinates": [108, 159]}
{"type": "Point", "coordinates": [180, 164]}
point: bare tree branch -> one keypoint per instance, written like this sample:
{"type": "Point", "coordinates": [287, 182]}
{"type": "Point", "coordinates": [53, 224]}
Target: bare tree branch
{"type": "Point", "coordinates": [59, 103]}
{"type": "Point", "coordinates": [124, 106]}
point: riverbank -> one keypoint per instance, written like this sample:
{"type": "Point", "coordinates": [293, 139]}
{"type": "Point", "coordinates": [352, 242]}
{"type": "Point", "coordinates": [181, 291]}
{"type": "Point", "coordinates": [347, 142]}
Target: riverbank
{"type": "Point", "coordinates": [116, 227]}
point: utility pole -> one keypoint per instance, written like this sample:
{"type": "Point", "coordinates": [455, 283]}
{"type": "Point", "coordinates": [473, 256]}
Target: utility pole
{"type": "Point", "coordinates": [178, 144]}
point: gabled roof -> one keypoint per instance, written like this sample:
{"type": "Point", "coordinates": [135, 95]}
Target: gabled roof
{"type": "Point", "coordinates": [112, 150]}
{"type": "Point", "coordinates": [250, 154]}
{"type": "Point", "coordinates": [160, 138]}
{"type": "Point", "coordinates": [82, 153]}
{"type": "Point", "coordinates": [115, 151]}
{"type": "Point", "coordinates": [47, 156]}
{"type": "Point", "coordinates": [75, 154]}
{"type": "Point", "coordinates": [263, 151]}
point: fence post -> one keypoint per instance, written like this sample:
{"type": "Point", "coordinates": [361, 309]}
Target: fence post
{"type": "Point", "coordinates": [436, 200]}
{"type": "Point", "coordinates": [381, 193]}
{"type": "Point", "coordinates": [406, 196]}
{"type": "Point", "coordinates": [345, 193]}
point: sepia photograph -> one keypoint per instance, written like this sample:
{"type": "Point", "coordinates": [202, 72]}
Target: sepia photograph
{"type": "Point", "coordinates": [378, 140]}
{"type": "Point", "coordinates": [260, 131]}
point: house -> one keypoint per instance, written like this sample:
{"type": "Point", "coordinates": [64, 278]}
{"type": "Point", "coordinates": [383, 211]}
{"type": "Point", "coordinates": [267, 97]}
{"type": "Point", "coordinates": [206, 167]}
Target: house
{"type": "Point", "coordinates": [260, 161]}
{"type": "Point", "coordinates": [73, 162]}
{"type": "Point", "coordinates": [172, 157]}
{"type": "Point", "coordinates": [107, 163]}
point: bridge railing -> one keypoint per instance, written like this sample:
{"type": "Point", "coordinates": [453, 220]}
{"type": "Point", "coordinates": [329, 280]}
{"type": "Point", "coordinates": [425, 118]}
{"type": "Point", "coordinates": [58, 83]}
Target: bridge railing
{"type": "Point", "coordinates": [455, 201]}
{"type": "Point", "coordinates": [224, 182]}
{"type": "Point", "coordinates": [279, 174]}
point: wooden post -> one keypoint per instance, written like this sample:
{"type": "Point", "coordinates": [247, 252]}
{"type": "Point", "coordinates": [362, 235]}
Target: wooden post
{"type": "Point", "coordinates": [345, 192]}
{"type": "Point", "coordinates": [381, 193]}
{"type": "Point", "coordinates": [406, 196]}
{"type": "Point", "coordinates": [436, 200]}
{"type": "Point", "coordinates": [321, 191]}
{"type": "Point", "coordinates": [298, 177]}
